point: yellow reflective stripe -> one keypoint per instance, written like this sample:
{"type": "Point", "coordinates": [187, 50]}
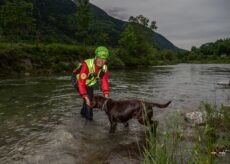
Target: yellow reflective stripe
{"type": "Point", "coordinates": [105, 68]}
{"type": "Point", "coordinates": [91, 67]}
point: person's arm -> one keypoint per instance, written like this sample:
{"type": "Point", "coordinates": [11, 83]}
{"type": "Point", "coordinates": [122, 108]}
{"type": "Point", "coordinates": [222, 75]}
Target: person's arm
{"type": "Point", "coordinates": [105, 84]}
{"type": "Point", "coordinates": [82, 83]}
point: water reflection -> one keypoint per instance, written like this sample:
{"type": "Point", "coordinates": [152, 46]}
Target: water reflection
{"type": "Point", "coordinates": [40, 121]}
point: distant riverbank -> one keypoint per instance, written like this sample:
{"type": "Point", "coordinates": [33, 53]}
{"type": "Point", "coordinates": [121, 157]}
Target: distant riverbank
{"type": "Point", "coordinates": [31, 59]}
{"type": "Point", "coordinates": [26, 59]}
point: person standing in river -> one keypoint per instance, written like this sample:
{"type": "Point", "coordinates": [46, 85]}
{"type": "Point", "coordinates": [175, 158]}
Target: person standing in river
{"type": "Point", "coordinates": [87, 74]}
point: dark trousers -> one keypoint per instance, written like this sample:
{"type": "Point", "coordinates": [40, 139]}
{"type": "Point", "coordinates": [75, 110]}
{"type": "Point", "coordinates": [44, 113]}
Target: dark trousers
{"type": "Point", "coordinates": [86, 111]}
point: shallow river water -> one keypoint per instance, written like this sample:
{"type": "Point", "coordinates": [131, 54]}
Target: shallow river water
{"type": "Point", "coordinates": [40, 120]}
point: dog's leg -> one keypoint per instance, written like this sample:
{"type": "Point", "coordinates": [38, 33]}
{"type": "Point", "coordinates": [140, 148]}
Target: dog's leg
{"type": "Point", "coordinates": [140, 120]}
{"type": "Point", "coordinates": [154, 125]}
{"type": "Point", "coordinates": [113, 126]}
{"type": "Point", "coordinates": [126, 124]}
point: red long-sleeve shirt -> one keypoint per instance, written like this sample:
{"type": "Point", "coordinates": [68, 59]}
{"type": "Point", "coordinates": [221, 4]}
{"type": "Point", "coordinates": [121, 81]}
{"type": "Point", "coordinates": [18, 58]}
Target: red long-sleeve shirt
{"type": "Point", "coordinates": [84, 76]}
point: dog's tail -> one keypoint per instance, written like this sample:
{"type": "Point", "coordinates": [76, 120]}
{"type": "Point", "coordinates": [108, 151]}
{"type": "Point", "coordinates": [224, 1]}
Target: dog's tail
{"type": "Point", "coordinates": [159, 105]}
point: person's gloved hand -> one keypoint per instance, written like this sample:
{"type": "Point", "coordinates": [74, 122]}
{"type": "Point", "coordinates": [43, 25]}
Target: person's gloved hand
{"type": "Point", "coordinates": [87, 101]}
{"type": "Point", "coordinates": [106, 96]}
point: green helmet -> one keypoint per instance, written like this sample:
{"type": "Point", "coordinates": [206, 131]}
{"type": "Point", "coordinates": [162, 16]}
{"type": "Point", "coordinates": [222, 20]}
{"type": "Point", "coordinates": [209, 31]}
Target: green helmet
{"type": "Point", "coordinates": [102, 52]}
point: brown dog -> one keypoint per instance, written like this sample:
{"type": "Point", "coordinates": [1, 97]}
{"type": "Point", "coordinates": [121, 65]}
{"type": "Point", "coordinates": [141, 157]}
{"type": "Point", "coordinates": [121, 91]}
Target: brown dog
{"type": "Point", "coordinates": [122, 111]}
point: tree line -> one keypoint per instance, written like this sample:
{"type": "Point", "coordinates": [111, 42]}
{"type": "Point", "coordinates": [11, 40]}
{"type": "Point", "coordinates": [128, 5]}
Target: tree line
{"type": "Point", "coordinates": [33, 21]}
{"type": "Point", "coordinates": [23, 20]}
{"type": "Point", "coordinates": [219, 48]}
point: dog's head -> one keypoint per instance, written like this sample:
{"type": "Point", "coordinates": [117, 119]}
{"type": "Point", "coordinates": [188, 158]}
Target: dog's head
{"type": "Point", "coordinates": [98, 101]}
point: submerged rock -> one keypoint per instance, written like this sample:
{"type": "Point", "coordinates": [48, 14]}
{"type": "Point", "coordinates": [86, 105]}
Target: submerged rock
{"type": "Point", "coordinates": [226, 107]}
{"type": "Point", "coordinates": [197, 118]}
{"type": "Point", "coordinates": [27, 74]}
{"type": "Point", "coordinates": [220, 152]}
{"type": "Point", "coordinates": [224, 83]}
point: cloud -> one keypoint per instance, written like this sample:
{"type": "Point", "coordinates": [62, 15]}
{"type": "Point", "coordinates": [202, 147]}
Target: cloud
{"type": "Point", "coordinates": [118, 12]}
{"type": "Point", "coordinates": [183, 22]}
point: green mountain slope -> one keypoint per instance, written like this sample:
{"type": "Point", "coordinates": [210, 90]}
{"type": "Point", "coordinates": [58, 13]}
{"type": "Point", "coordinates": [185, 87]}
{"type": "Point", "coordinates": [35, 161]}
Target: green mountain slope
{"type": "Point", "coordinates": [160, 40]}
{"type": "Point", "coordinates": [164, 43]}
{"type": "Point", "coordinates": [56, 22]}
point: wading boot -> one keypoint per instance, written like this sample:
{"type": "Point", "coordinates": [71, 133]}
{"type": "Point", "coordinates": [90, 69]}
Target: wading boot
{"type": "Point", "coordinates": [82, 112]}
{"type": "Point", "coordinates": [89, 113]}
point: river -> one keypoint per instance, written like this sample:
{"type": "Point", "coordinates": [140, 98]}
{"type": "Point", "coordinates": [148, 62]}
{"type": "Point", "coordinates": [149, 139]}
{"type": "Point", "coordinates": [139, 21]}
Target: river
{"type": "Point", "coordinates": [40, 120]}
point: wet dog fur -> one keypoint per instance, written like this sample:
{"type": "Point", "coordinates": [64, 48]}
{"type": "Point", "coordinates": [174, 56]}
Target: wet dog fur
{"type": "Point", "coordinates": [122, 111]}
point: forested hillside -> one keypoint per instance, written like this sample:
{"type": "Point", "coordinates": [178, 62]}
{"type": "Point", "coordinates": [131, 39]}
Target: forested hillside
{"type": "Point", "coordinates": [51, 36]}
{"type": "Point", "coordinates": [55, 21]}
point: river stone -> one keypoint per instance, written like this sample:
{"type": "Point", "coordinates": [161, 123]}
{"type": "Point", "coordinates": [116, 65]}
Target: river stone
{"type": "Point", "coordinates": [224, 83]}
{"type": "Point", "coordinates": [226, 108]}
{"type": "Point", "coordinates": [196, 118]}
{"type": "Point", "coordinates": [27, 74]}
{"type": "Point", "coordinates": [21, 148]}
{"type": "Point", "coordinates": [26, 63]}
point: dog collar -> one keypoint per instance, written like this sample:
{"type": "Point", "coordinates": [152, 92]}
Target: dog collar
{"type": "Point", "coordinates": [104, 104]}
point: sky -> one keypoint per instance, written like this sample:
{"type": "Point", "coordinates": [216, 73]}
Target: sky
{"type": "Point", "coordinates": [185, 23]}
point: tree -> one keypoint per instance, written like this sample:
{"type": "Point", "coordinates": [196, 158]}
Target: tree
{"type": "Point", "coordinates": [153, 26]}
{"type": "Point", "coordinates": [18, 19]}
{"type": "Point", "coordinates": [143, 20]}
{"type": "Point", "coordinates": [133, 19]}
{"type": "Point", "coordinates": [129, 40]}
{"type": "Point", "coordinates": [83, 20]}
{"type": "Point", "coordinates": [101, 38]}
{"type": "Point", "coordinates": [1, 18]}
{"type": "Point", "coordinates": [136, 44]}
{"type": "Point", "coordinates": [140, 19]}
{"type": "Point", "coordinates": [37, 14]}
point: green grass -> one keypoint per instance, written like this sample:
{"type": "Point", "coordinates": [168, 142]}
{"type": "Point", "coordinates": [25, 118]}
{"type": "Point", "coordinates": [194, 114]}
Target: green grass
{"type": "Point", "coordinates": [62, 58]}
{"type": "Point", "coordinates": [169, 147]}
{"type": "Point", "coordinates": [47, 58]}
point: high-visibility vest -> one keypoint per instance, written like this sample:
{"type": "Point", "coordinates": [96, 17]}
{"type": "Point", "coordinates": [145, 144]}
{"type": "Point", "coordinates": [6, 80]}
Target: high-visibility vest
{"type": "Point", "coordinates": [92, 76]}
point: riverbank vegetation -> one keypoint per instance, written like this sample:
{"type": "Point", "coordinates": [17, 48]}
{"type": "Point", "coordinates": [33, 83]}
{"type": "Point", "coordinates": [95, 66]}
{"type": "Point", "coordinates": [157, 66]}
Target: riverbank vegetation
{"type": "Point", "coordinates": [37, 38]}
{"type": "Point", "coordinates": [217, 52]}
{"type": "Point", "coordinates": [209, 142]}
{"type": "Point", "coordinates": [62, 58]}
